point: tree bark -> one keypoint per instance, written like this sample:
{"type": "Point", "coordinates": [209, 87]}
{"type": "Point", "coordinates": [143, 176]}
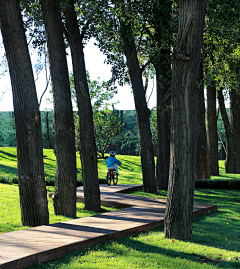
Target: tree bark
{"type": "Point", "coordinates": [31, 178]}
{"type": "Point", "coordinates": [65, 178]}
{"type": "Point", "coordinates": [87, 144]}
{"type": "Point", "coordinates": [142, 111]}
{"type": "Point", "coordinates": [202, 169]}
{"type": "Point", "coordinates": [184, 101]}
{"type": "Point", "coordinates": [161, 60]}
{"type": "Point", "coordinates": [235, 127]}
{"type": "Point", "coordinates": [230, 152]}
{"type": "Point", "coordinates": [163, 130]}
{"type": "Point", "coordinates": [212, 136]}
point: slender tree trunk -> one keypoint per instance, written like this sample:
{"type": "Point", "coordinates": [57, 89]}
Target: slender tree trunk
{"type": "Point", "coordinates": [31, 178]}
{"type": "Point", "coordinates": [88, 150]}
{"type": "Point", "coordinates": [142, 111]}
{"type": "Point", "coordinates": [202, 169]}
{"type": "Point", "coordinates": [48, 131]}
{"type": "Point", "coordinates": [230, 158]}
{"type": "Point", "coordinates": [163, 130]}
{"type": "Point", "coordinates": [235, 127]}
{"type": "Point", "coordinates": [212, 136]}
{"type": "Point", "coordinates": [183, 141]}
{"type": "Point", "coordinates": [65, 177]}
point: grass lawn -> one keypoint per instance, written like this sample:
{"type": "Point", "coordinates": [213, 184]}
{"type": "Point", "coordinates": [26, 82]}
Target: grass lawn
{"type": "Point", "coordinates": [215, 243]}
{"type": "Point", "coordinates": [10, 215]}
{"type": "Point", "coordinates": [130, 170]}
{"type": "Point", "coordinates": [216, 235]}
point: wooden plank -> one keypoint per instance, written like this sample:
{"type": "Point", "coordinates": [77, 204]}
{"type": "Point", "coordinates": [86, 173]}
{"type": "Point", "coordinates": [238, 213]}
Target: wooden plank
{"type": "Point", "coordinates": [23, 248]}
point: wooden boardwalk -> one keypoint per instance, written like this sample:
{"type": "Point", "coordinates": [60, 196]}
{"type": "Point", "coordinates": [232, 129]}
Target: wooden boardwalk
{"type": "Point", "coordinates": [20, 249]}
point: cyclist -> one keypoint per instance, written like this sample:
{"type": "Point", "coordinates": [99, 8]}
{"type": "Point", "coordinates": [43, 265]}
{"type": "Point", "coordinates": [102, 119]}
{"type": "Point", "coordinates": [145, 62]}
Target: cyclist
{"type": "Point", "coordinates": [112, 162]}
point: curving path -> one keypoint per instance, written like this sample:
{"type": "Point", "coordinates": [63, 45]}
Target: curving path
{"type": "Point", "coordinates": [23, 248]}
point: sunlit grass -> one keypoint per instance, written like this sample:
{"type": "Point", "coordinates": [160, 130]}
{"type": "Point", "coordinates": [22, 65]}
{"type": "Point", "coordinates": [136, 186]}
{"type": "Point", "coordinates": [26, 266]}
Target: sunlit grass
{"type": "Point", "coordinates": [130, 170]}
{"type": "Point", "coordinates": [215, 243]}
{"type": "Point", "coordinates": [216, 235]}
{"type": "Point", "coordinates": [10, 214]}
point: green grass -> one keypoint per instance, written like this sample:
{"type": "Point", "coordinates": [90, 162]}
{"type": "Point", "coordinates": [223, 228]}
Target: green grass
{"type": "Point", "coordinates": [216, 235]}
{"type": "Point", "coordinates": [10, 215]}
{"type": "Point", "coordinates": [223, 175]}
{"type": "Point", "coordinates": [130, 170]}
{"type": "Point", "coordinates": [215, 243]}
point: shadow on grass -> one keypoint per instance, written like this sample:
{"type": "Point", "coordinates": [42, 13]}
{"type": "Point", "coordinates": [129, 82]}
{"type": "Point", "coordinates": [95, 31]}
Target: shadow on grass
{"type": "Point", "coordinates": [8, 170]}
{"type": "Point", "coordinates": [224, 234]}
{"type": "Point", "coordinates": [13, 156]}
{"type": "Point", "coordinates": [139, 248]}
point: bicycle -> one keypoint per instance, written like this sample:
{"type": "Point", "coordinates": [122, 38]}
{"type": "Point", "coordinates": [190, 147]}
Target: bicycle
{"type": "Point", "coordinates": [112, 176]}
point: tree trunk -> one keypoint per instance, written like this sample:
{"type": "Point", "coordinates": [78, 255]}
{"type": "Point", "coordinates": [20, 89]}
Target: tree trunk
{"type": "Point", "coordinates": [212, 136]}
{"type": "Point", "coordinates": [48, 131]}
{"type": "Point", "coordinates": [202, 169]}
{"type": "Point", "coordinates": [162, 63]}
{"type": "Point", "coordinates": [142, 111]}
{"type": "Point", "coordinates": [230, 152]}
{"type": "Point", "coordinates": [87, 144]}
{"type": "Point", "coordinates": [163, 129]}
{"type": "Point", "coordinates": [31, 178]}
{"type": "Point", "coordinates": [235, 127]}
{"type": "Point", "coordinates": [65, 177]}
{"type": "Point", "coordinates": [183, 140]}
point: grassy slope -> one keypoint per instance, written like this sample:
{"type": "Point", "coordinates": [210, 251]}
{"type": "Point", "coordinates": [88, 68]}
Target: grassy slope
{"type": "Point", "coordinates": [216, 236]}
{"type": "Point", "coordinates": [130, 171]}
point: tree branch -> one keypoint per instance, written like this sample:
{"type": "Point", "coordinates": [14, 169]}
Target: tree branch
{"type": "Point", "coordinates": [145, 65]}
{"type": "Point", "coordinates": [222, 140]}
{"type": "Point", "coordinates": [91, 18]}
{"type": "Point", "coordinates": [44, 91]}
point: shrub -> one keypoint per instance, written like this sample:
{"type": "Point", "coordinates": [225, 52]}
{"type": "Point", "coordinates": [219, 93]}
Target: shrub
{"type": "Point", "coordinates": [233, 184]}
{"type": "Point", "coordinates": [49, 180]}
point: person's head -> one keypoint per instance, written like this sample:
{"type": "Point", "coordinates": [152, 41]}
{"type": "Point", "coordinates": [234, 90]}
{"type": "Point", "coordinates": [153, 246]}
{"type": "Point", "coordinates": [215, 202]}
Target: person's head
{"type": "Point", "coordinates": [112, 153]}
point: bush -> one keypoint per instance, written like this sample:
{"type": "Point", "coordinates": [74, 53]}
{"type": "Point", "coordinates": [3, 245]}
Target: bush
{"type": "Point", "coordinates": [11, 180]}
{"type": "Point", "coordinates": [233, 184]}
{"type": "Point", "coordinates": [49, 180]}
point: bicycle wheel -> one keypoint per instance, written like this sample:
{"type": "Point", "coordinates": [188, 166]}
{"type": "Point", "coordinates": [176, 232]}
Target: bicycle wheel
{"type": "Point", "coordinates": [115, 179]}
{"type": "Point", "coordinates": [108, 179]}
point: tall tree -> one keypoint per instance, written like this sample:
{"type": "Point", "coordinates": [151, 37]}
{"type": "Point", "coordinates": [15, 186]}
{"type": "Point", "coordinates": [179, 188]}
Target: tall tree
{"type": "Point", "coordinates": [65, 177]}
{"type": "Point", "coordinates": [161, 59]}
{"type": "Point", "coordinates": [202, 169]}
{"type": "Point", "coordinates": [31, 178]}
{"type": "Point", "coordinates": [212, 129]}
{"type": "Point", "coordinates": [235, 126]}
{"type": "Point", "coordinates": [183, 141]}
{"type": "Point", "coordinates": [142, 111]}
{"type": "Point", "coordinates": [88, 151]}
{"type": "Point", "coordinates": [221, 62]}
{"type": "Point", "coordinates": [230, 162]}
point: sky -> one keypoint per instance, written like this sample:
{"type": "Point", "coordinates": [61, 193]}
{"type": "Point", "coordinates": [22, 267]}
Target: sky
{"type": "Point", "coordinates": [94, 59]}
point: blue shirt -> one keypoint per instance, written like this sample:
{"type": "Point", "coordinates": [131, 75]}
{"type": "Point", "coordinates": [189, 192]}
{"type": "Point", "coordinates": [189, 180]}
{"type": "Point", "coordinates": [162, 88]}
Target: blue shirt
{"type": "Point", "coordinates": [111, 161]}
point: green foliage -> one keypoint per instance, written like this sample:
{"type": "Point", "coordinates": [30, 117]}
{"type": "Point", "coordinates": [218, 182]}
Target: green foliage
{"type": "Point", "coordinates": [100, 94]}
{"type": "Point", "coordinates": [128, 142]}
{"type": "Point", "coordinates": [107, 124]}
{"type": "Point", "coordinates": [153, 125]}
{"type": "Point", "coordinates": [107, 127]}
{"type": "Point", "coordinates": [7, 130]}
{"type": "Point", "coordinates": [221, 43]}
